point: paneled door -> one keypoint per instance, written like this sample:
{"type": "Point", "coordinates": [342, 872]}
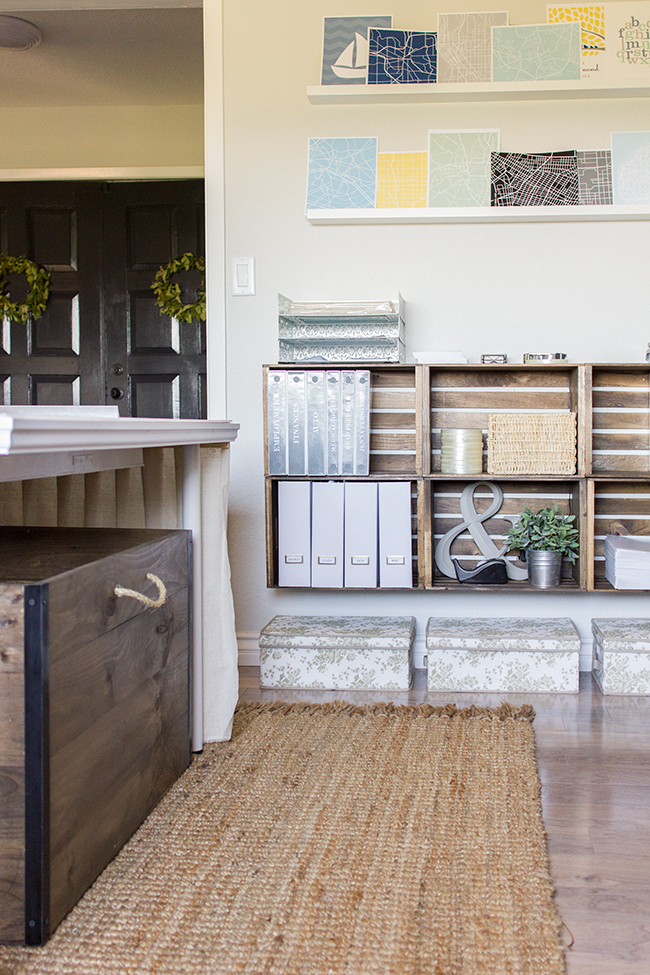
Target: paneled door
{"type": "Point", "coordinates": [56, 360]}
{"type": "Point", "coordinates": [155, 365]}
{"type": "Point", "coordinates": [102, 338]}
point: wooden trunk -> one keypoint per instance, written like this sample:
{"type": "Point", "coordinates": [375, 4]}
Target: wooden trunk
{"type": "Point", "coordinates": [94, 707]}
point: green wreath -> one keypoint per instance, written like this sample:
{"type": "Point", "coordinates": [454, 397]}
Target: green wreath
{"type": "Point", "coordinates": [39, 282]}
{"type": "Point", "coordinates": [168, 292]}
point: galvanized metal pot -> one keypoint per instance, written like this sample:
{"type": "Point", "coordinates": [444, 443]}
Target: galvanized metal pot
{"type": "Point", "coordinates": [544, 568]}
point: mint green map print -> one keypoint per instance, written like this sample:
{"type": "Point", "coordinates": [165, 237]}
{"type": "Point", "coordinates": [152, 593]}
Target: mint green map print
{"type": "Point", "coordinates": [459, 168]}
{"type": "Point", "coordinates": [537, 52]}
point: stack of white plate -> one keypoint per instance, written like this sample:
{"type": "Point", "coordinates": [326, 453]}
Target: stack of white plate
{"type": "Point", "coordinates": [462, 452]}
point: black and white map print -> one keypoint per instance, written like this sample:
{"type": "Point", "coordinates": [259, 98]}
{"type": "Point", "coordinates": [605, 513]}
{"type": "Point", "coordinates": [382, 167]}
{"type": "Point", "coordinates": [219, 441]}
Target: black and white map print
{"type": "Point", "coordinates": [534, 179]}
{"type": "Point", "coordinates": [595, 177]}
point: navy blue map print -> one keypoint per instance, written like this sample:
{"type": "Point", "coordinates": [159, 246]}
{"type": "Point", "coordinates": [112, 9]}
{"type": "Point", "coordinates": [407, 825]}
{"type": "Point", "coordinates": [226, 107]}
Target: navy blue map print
{"type": "Point", "coordinates": [401, 57]}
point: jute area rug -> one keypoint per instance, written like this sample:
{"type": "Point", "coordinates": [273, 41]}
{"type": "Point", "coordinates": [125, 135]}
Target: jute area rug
{"type": "Point", "coordinates": [332, 839]}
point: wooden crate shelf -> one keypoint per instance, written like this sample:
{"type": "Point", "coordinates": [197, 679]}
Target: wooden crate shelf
{"type": "Point", "coordinates": [446, 515]}
{"type": "Point", "coordinates": [409, 406]}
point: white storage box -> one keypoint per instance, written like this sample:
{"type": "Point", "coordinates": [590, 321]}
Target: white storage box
{"type": "Point", "coordinates": [621, 662]}
{"type": "Point", "coordinates": [337, 652]}
{"type": "Point", "coordinates": [514, 654]}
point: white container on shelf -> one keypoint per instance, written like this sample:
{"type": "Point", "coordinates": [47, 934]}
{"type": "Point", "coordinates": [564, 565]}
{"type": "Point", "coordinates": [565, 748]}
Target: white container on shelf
{"type": "Point", "coordinates": [461, 451]}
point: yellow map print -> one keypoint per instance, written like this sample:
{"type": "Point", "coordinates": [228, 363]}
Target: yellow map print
{"type": "Point", "coordinates": [592, 20]}
{"type": "Point", "coordinates": [402, 179]}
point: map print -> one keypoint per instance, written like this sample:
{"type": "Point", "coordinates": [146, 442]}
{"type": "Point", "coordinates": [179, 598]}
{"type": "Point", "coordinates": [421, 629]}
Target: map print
{"type": "Point", "coordinates": [631, 167]}
{"type": "Point", "coordinates": [465, 46]}
{"type": "Point", "coordinates": [401, 57]}
{"type": "Point", "coordinates": [534, 179]}
{"type": "Point", "coordinates": [345, 48]}
{"type": "Point", "coordinates": [402, 179]}
{"type": "Point", "coordinates": [459, 167]}
{"type": "Point", "coordinates": [595, 177]}
{"type": "Point", "coordinates": [537, 52]}
{"type": "Point", "coordinates": [342, 174]}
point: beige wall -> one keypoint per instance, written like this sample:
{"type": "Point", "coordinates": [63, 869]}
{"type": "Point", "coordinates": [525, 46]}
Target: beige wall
{"type": "Point", "coordinates": [579, 288]}
{"type": "Point", "coordinates": [101, 136]}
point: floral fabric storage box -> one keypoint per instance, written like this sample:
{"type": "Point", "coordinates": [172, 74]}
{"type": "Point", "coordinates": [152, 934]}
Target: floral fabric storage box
{"type": "Point", "coordinates": [514, 654]}
{"type": "Point", "coordinates": [337, 652]}
{"type": "Point", "coordinates": [621, 662]}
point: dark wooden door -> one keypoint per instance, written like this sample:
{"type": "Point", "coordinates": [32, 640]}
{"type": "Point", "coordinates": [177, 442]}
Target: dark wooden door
{"type": "Point", "coordinates": [56, 360]}
{"type": "Point", "coordinates": [102, 338]}
{"type": "Point", "coordinates": [156, 366]}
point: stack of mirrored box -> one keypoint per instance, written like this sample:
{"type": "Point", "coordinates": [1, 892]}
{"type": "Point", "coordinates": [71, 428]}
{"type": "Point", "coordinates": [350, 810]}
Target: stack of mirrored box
{"type": "Point", "coordinates": [341, 331]}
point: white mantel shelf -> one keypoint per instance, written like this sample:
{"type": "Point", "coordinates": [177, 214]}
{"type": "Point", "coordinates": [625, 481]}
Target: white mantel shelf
{"type": "Point", "coordinates": [462, 92]}
{"type": "Point", "coordinates": [27, 435]}
{"type": "Point", "coordinates": [47, 442]}
{"type": "Point", "coordinates": [523, 214]}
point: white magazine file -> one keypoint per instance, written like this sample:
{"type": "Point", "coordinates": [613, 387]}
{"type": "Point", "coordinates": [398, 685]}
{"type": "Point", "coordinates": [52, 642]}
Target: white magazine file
{"type": "Point", "coordinates": [361, 500]}
{"type": "Point", "coordinates": [327, 534]}
{"type": "Point", "coordinates": [294, 533]}
{"type": "Point", "coordinates": [395, 551]}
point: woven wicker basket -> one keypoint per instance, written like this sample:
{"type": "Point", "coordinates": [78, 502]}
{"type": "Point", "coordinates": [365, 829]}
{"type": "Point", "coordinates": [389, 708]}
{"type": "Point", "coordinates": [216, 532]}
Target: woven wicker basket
{"type": "Point", "coordinates": [531, 443]}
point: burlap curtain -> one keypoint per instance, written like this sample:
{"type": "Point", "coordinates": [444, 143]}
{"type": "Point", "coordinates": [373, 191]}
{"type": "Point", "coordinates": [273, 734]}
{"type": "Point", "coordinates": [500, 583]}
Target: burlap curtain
{"type": "Point", "coordinates": [135, 497]}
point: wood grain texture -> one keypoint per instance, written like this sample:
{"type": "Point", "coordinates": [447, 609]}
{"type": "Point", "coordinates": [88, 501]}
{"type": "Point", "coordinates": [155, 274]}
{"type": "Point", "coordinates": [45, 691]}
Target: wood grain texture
{"type": "Point", "coordinates": [513, 376]}
{"type": "Point", "coordinates": [492, 401]}
{"type": "Point", "coordinates": [166, 557]}
{"type": "Point", "coordinates": [631, 399]}
{"type": "Point", "coordinates": [12, 763]}
{"type": "Point", "coordinates": [119, 714]}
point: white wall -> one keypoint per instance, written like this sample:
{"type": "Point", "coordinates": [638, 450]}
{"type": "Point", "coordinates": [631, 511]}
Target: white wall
{"type": "Point", "coordinates": [583, 289]}
{"type": "Point", "coordinates": [101, 136]}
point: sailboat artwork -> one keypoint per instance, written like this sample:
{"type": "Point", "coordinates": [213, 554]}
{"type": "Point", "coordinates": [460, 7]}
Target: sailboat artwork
{"type": "Point", "coordinates": [353, 62]}
{"type": "Point", "coordinates": [345, 48]}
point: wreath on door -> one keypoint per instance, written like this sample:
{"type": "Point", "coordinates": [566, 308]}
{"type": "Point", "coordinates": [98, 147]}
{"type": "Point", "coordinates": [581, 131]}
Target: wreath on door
{"type": "Point", "coordinates": [39, 289]}
{"type": "Point", "coordinates": [168, 292]}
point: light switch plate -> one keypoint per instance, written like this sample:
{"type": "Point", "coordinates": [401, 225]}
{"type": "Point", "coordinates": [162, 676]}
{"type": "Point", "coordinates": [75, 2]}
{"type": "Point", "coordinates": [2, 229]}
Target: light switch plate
{"type": "Point", "coordinates": [243, 276]}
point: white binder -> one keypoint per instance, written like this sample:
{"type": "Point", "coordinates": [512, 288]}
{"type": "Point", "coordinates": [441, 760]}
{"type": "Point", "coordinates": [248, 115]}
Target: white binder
{"type": "Point", "coordinates": [316, 423]}
{"type": "Point", "coordinates": [360, 535]}
{"type": "Point", "coordinates": [294, 533]}
{"type": "Point", "coordinates": [327, 535]}
{"type": "Point", "coordinates": [277, 421]}
{"type": "Point", "coordinates": [296, 423]}
{"type": "Point", "coordinates": [347, 421]}
{"type": "Point", "coordinates": [395, 558]}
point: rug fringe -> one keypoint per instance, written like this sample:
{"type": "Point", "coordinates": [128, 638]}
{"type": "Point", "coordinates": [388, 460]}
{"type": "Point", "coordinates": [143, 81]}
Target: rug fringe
{"type": "Point", "coordinates": [505, 711]}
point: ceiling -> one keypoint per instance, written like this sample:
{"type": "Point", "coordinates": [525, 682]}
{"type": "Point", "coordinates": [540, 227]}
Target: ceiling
{"type": "Point", "coordinates": [135, 55]}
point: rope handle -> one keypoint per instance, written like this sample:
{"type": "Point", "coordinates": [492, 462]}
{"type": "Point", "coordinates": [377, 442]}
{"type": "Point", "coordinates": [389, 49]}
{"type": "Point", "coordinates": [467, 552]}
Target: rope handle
{"type": "Point", "coordinates": [152, 603]}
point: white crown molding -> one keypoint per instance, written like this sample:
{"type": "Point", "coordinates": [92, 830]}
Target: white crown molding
{"type": "Point", "coordinates": [105, 172]}
{"type": "Point", "coordinates": [27, 6]}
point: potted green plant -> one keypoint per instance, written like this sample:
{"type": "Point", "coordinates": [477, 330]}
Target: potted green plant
{"type": "Point", "coordinates": [545, 536]}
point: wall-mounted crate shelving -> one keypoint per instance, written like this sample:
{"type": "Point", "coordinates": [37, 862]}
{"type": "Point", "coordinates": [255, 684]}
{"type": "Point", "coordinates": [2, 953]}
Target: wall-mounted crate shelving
{"type": "Point", "coordinates": [410, 404]}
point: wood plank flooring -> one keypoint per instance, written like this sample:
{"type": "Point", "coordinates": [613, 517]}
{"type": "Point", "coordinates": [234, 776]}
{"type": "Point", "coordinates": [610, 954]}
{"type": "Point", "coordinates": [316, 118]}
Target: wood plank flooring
{"type": "Point", "coordinates": [593, 754]}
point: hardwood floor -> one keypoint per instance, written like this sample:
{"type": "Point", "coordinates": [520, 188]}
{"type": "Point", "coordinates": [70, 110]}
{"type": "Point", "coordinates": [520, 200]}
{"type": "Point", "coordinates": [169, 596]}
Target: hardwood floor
{"type": "Point", "coordinates": [593, 754]}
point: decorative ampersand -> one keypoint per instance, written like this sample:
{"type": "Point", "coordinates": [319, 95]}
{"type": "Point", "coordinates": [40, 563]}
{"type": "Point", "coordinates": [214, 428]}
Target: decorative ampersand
{"type": "Point", "coordinates": [473, 523]}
